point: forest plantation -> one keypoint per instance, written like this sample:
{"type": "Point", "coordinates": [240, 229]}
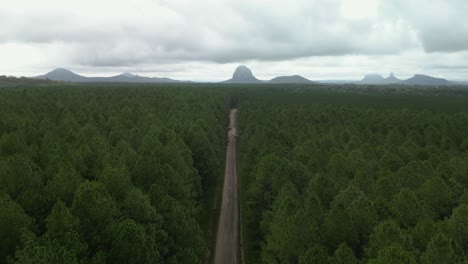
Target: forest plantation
{"type": "Point", "coordinates": [332, 174]}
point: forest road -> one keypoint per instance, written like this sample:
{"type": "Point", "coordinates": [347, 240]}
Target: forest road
{"type": "Point", "coordinates": [227, 239]}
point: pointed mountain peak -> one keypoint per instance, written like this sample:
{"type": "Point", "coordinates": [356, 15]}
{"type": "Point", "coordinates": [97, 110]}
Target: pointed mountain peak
{"type": "Point", "coordinates": [391, 79]}
{"type": "Point", "coordinates": [242, 74]}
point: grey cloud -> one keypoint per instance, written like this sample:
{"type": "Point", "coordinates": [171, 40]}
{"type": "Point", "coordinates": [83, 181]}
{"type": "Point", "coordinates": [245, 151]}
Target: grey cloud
{"type": "Point", "coordinates": [440, 24]}
{"type": "Point", "coordinates": [224, 31]}
{"type": "Point", "coordinates": [248, 30]}
{"type": "Point", "coordinates": [445, 39]}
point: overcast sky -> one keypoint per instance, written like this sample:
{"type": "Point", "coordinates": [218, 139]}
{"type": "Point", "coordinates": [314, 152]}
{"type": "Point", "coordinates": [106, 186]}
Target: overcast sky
{"type": "Point", "coordinates": [204, 40]}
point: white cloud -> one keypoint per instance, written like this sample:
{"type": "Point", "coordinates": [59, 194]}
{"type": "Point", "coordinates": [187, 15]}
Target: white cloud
{"type": "Point", "coordinates": [112, 35]}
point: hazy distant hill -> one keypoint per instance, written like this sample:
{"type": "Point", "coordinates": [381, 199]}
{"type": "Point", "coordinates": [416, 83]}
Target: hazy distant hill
{"type": "Point", "coordinates": [290, 79]}
{"type": "Point", "coordinates": [243, 75]}
{"type": "Point", "coordinates": [61, 74]}
{"type": "Point", "coordinates": [391, 79]}
{"type": "Point", "coordinates": [372, 79]}
{"type": "Point", "coordinates": [420, 79]}
{"type": "Point", "coordinates": [65, 75]}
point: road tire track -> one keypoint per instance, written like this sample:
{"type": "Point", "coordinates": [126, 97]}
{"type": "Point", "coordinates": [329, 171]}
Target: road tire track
{"type": "Point", "coordinates": [227, 239]}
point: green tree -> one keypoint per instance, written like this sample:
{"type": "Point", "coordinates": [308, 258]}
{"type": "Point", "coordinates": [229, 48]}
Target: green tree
{"type": "Point", "coordinates": [12, 143]}
{"type": "Point", "coordinates": [117, 182]}
{"type": "Point", "coordinates": [63, 227]}
{"type": "Point", "coordinates": [394, 253]}
{"type": "Point", "coordinates": [60, 221]}
{"type": "Point", "coordinates": [18, 174]}
{"type": "Point", "coordinates": [317, 254]}
{"type": "Point", "coordinates": [408, 208]}
{"type": "Point", "coordinates": [424, 230]}
{"type": "Point", "coordinates": [364, 217]}
{"type": "Point", "coordinates": [64, 184]}
{"type": "Point", "coordinates": [130, 244]}
{"type": "Point", "coordinates": [440, 250]}
{"type": "Point", "coordinates": [344, 255]}
{"type": "Point", "coordinates": [96, 211]}
{"type": "Point", "coordinates": [437, 195]}
{"type": "Point", "coordinates": [458, 225]}
{"type": "Point", "coordinates": [338, 227]}
{"type": "Point", "coordinates": [45, 251]}
{"type": "Point", "coordinates": [12, 220]}
{"type": "Point", "coordinates": [288, 234]}
{"type": "Point", "coordinates": [138, 207]}
{"type": "Point", "coordinates": [384, 234]}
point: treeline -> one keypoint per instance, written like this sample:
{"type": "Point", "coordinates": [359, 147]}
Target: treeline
{"type": "Point", "coordinates": [94, 174]}
{"type": "Point", "coordinates": [353, 182]}
{"type": "Point", "coordinates": [11, 81]}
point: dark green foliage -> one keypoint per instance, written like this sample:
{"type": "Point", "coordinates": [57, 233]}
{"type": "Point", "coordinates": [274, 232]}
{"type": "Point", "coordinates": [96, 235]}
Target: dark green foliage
{"type": "Point", "coordinates": [317, 254]}
{"type": "Point", "coordinates": [45, 251]}
{"type": "Point", "coordinates": [344, 255]}
{"type": "Point", "coordinates": [438, 196]}
{"type": "Point", "coordinates": [64, 184]}
{"type": "Point", "coordinates": [370, 175]}
{"type": "Point", "coordinates": [393, 254]}
{"type": "Point", "coordinates": [289, 234]}
{"type": "Point", "coordinates": [328, 174]}
{"type": "Point", "coordinates": [408, 209]}
{"type": "Point", "coordinates": [108, 173]}
{"type": "Point", "coordinates": [12, 220]}
{"type": "Point", "coordinates": [458, 225]}
{"type": "Point", "coordinates": [441, 250]}
{"type": "Point", "coordinates": [131, 244]}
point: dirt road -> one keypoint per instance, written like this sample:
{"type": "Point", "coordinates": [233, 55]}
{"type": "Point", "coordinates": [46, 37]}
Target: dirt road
{"type": "Point", "coordinates": [227, 240]}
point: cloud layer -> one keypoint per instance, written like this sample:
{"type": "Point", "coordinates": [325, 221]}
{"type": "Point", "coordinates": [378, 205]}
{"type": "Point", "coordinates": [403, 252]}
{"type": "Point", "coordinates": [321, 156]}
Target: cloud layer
{"type": "Point", "coordinates": [118, 34]}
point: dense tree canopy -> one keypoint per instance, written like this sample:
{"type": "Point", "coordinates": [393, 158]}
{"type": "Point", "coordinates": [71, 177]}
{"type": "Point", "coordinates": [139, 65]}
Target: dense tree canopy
{"type": "Point", "coordinates": [108, 174]}
{"type": "Point", "coordinates": [130, 173]}
{"type": "Point", "coordinates": [342, 178]}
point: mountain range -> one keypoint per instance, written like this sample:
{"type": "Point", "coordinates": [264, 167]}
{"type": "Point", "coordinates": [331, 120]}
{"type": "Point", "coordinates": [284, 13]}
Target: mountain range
{"type": "Point", "coordinates": [243, 75]}
{"type": "Point", "coordinates": [65, 75]}
{"type": "Point", "coordinates": [417, 79]}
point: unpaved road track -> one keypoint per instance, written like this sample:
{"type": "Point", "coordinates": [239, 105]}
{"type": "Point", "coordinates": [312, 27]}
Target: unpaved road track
{"type": "Point", "coordinates": [227, 239]}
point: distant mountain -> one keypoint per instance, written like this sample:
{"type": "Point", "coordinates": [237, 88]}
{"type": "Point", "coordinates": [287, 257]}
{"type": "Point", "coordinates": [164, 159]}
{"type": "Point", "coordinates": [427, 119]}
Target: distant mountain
{"type": "Point", "coordinates": [290, 79]}
{"type": "Point", "coordinates": [132, 78]}
{"type": "Point", "coordinates": [418, 79]}
{"type": "Point", "coordinates": [391, 79]}
{"type": "Point", "coordinates": [61, 74]}
{"type": "Point", "coordinates": [65, 75]}
{"type": "Point", "coordinates": [243, 75]}
{"type": "Point", "coordinates": [426, 80]}
{"type": "Point", "coordinates": [338, 81]}
{"type": "Point", "coordinates": [372, 79]}
{"type": "Point", "coordinates": [128, 75]}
